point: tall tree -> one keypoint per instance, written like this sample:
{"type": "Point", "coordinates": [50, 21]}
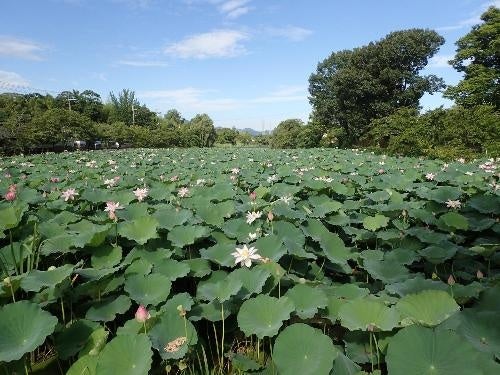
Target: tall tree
{"type": "Point", "coordinates": [126, 108]}
{"type": "Point", "coordinates": [203, 130]}
{"type": "Point", "coordinates": [478, 57]}
{"type": "Point", "coordinates": [352, 87]}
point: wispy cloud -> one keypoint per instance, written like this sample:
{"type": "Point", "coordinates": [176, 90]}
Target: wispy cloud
{"type": "Point", "coordinates": [293, 33]}
{"type": "Point", "coordinates": [142, 63]}
{"type": "Point", "coordinates": [218, 43]}
{"type": "Point", "coordinates": [474, 19]}
{"type": "Point", "coordinates": [234, 8]}
{"type": "Point", "coordinates": [11, 80]}
{"type": "Point", "coordinates": [135, 3]}
{"type": "Point", "coordinates": [283, 94]}
{"type": "Point", "coordinates": [440, 61]}
{"type": "Point", "coordinates": [20, 48]}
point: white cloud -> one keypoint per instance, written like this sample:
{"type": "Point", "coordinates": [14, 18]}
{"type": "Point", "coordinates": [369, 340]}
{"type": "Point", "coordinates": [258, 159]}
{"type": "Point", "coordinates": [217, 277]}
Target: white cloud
{"type": "Point", "coordinates": [293, 33]}
{"type": "Point", "coordinates": [189, 100]}
{"type": "Point", "coordinates": [135, 3]}
{"type": "Point", "coordinates": [142, 63]}
{"type": "Point", "coordinates": [475, 18]}
{"type": "Point", "coordinates": [440, 61]}
{"type": "Point", "coordinates": [283, 94]}
{"type": "Point", "coordinates": [23, 49]}
{"type": "Point", "coordinates": [11, 80]}
{"type": "Point", "coordinates": [218, 43]}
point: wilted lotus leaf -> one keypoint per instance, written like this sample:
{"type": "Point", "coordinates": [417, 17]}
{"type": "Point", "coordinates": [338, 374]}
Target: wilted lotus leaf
{"type": "Point", "coordinates": [173, 335]}
{"type": "Point", "coordinates": [301, 349]}
{"type": "Point", "coordinates": [428, 308]}
{"type": "Point", "coordinates": [264, 315]}
{"type": "Point", "coordinates": [126, 355]}
{"type": "Point", "coordinates": [417, 350]}
{"type": "Point", "coordinates": [23, 326]}
{"type": "Point", "coordinates": [367, 315]}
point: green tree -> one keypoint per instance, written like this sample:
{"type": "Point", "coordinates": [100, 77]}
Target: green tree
{"type": "Point", "coordinates": [478, 57]}
{"type": "Point", "coordinates": [227, 136]}
{"type": "Point", "coordinates": [202, 131]}
{"type": "Point", "coordinates": [173, 118]}
{"type": "Point", "coordinates": [286, 134]}
{"type": "Point", "coordinates": [126, 108]}
{"type": "Point", "coordinates": [352, 87]}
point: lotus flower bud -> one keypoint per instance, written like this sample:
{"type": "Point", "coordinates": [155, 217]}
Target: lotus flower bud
{"type": "Point", "coordinates": [252, 195]}
{"type": "Point", "coordinates": [10, 195]}
{"type": "Point", "coordinates": [479, 274]}
{"type": "Point", "coordinates": [142, 314]}
{"type": "Point", "coordinates": [451, 280]}
{"type": "Point", "coordinates": [270, 216]}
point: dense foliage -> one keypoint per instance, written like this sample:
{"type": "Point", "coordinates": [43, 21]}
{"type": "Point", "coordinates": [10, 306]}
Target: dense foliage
{"type": "Point", "coordinates": [35, 122]}
{"type": "Point", "coordinates": [352, 87]}
{"type": "Point", "coordinates": [478, 57]}
{"type": "Point", "coordinates": [251, 261]}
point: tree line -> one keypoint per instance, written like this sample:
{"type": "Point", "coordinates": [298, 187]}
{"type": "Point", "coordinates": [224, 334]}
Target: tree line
{"type": "Point", "coordinates": [369, 97]}
{"type": "Point", "coordinates": [35, 122]}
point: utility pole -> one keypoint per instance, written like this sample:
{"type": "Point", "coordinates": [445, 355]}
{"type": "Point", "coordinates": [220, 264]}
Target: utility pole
{"type": "Point", "coordinates": [133, 115]}
{"type": "Point", "coordinates": [69, 101]}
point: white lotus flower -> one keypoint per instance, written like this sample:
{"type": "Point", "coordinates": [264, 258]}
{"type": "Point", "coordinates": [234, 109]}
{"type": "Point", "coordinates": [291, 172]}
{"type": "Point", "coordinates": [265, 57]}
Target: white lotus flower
{"type": "Point", "coordinates": [245, 255]}
{"type": "Point", "coordinates": [252, 216]}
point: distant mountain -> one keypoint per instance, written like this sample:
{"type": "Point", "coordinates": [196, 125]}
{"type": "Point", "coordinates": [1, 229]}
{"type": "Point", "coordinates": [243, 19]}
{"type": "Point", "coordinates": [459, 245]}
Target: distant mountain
{"type": "Point", "coordinates": [250, 131]}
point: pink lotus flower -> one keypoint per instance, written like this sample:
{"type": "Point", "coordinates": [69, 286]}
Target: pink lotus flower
{"type": "Point", "coordinates": [111, 207]}
{"type": "Point", "coordinates": [54, 179]}
{"type": "Point", "coordinates": [141, 193]}
{"type": "Point", "coordinates": [174, 178]}
{"type": "Point", "coordinates": [69, 194]}
{"type": "Point", "coordinates": [142, 314]}
{"type": "Point", "coordinates": [183, 192]}
{"type": "Point", "coordinates": [10, 195]}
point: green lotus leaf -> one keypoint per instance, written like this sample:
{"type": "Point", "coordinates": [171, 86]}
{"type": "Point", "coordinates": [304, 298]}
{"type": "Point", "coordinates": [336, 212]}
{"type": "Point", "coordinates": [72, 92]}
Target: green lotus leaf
{"type": "Point", "coordinates": [106, 310]}
{"type": "Point", "coordinates": [431, 352]}
{"type": "Point", "coordinates": [212, 311]}
{"type": "Point", "coordinates": [386, 270]}
{"type": "Point", "coordinates": [428, 308]}
{"type": "Point", "coordinates": [264, 315]}
{"type": "Point", "coordinates": [366, 315]}
{"type": "Point", "coordinates": [106, 256]}
{"type": "Point", "coordinates": [85, 365]}
{"type": "Point", "coordinates": [134, 211]}
{"type": "Point", "coordinates": [199, 267]}
{"type": "Point", "coordinates": [436, 254]}
{"type": "Point", "coordinates": [220, 253]}
{"type": "Point", "coordinates": [151, 289]}
{"type": "Point", "coordinates": [443, 193]}
{"type": "Point", "coordinates": [243, 363]}
{"type": "Point", "coordinates": [95, 342]}
{"type": "Point", "coordinates": [86, 233]}
{"type": "Point", "coordinates": [271, 247]}
{"type": "Point", "coordinates": [344, 366]}
{"type": "Point", "coordinates": [184, 235]}
{"type": "Point", "coordinates": [126, 355]}
{"type": "Point", "coordinates": [171, 268]}
{"type": "Point", "coordinates": [11, 216]}
{"type": "Point", "coordinates": [139, 267]}
{"type": "Point", "coordinates": [454, 220]}
{"type": "Point", "coordinates": [374, 223]}
{"type": "Point", "coordinates": [74, 337]}
{"type": "Point", "coordinates": [139, 230]}
{"type": "Point", "coordinates": [307, 300]}
{"type": "Point", "coordinates": [252, 280]}
{"type": "Point", "coordinates": [301, 349]}
{"type": "Point", "coordinates": [324, 205]}
{"type": "Point", "coordinates": [35, 280]}
{"type": "Point", "coordinates": [486, 204]}
{"type": "Point", "coordinates": [480, 328]}
{"type": "Point", "coordinates": [293, 239]}
{"type": "Point", "coordinates": [415, 285]}
{"type": "Point", "coordinates": [169, 217]}
{"type": "Point", "coordinates": [332, 245]}
{"type": "Point", "coordinates": [171, 327]}
{"type": "Point", "coordinates": [214, 214]}
{"type": "Point", "coordinates": [236, 228]}
{"type": "Point", "coordinates": [23, 326]}
{"type": "Point", "coordinates": [58, 244]}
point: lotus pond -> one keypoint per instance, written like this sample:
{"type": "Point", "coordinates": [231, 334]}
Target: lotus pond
{"type": "Point", "coordinates": [235, 261]}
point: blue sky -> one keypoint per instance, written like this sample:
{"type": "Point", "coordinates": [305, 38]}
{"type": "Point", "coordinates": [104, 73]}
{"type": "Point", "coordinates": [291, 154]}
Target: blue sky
{"type": "Point", "coordinates": [244, 62]}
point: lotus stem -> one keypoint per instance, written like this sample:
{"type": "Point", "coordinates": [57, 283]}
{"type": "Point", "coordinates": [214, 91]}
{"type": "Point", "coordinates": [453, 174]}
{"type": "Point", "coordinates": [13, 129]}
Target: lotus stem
{"type": "Point", "coordinates": [62, 312]}
{"type": "Point", "coordinates": [12, 252]}
{"type": "Point", "coordinates": [371, 350]}
{"type": "Point", "coordinates": [222, 340]}
{"type": "Point", "coordinates": [377, 348]}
